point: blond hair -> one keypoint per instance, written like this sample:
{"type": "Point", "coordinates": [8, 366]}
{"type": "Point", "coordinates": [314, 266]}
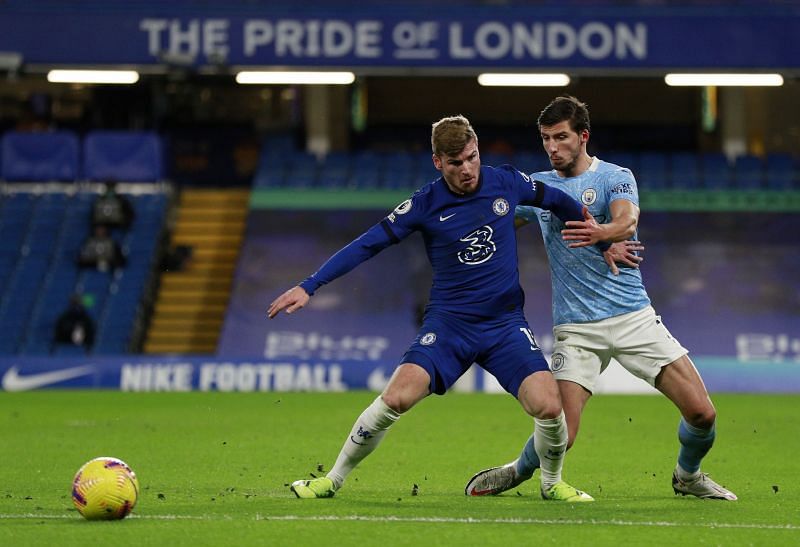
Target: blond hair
{"type": "Point", "coordinates": [450, 135]}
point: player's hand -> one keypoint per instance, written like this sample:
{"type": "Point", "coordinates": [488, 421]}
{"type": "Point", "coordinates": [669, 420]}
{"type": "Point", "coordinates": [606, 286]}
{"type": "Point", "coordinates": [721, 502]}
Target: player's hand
{"type": "Point", "coordinates": [292, 300]}
{"type": "Point", "coordinates": [623, 252]}
{"type": "Point", "coordinates": [583, 233]}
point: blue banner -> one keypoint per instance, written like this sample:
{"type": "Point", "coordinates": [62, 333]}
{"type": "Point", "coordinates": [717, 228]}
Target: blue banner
{"type": "Point", "coordinates": [511, 37]}
{"type": "Point", "coordinates": [195, 373]}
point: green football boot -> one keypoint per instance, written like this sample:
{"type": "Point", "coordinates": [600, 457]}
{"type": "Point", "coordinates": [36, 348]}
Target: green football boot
{"type": "Point", "coordinates": [321, 487]}
{"type": "Point", "coordinates": [561, 491]}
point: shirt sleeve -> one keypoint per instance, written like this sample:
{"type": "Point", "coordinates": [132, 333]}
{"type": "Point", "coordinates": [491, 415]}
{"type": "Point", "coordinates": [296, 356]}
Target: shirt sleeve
{"type": "Point", "coordinates": [560, 203]}
{"type": "Point", "coordinates": [622, 185]}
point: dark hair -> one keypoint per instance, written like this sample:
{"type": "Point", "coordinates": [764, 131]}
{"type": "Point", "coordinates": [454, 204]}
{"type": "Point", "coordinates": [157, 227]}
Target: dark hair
{"type": "Point", "coordinates": [566, 108]}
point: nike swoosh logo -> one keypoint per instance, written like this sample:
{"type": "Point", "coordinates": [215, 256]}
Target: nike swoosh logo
{"type": "Point", "coordinates": [442, 218]}
{"type": "Point", "coordinates": [12, 381]}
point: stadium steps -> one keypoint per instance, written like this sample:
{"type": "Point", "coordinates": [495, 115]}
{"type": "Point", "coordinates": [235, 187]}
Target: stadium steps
{"type": "Point", "coordinates": [191, 303]}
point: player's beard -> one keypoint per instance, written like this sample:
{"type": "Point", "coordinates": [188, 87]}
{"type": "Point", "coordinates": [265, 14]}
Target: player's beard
{"type": "Point", "coordinates": [568, 169]}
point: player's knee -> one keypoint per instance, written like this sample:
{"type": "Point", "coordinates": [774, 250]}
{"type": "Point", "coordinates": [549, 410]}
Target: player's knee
{"type": "Point", "coordinates": [548, 410]}
{"type": "Point", "coordinates": [397, 402]}
{"type": "Point", "coordinates": [703, 418]}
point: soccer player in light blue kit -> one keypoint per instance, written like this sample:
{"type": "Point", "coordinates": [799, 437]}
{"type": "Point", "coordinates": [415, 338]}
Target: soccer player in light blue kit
{"type": "Point", "coordinates": [474, 314]}
{"type": "Point", "coordinates": [599, 314]}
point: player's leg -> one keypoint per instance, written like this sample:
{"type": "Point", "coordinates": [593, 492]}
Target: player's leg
{"type": "Point", "coordinates": [573, 398]}
{"type": "Point", "coordinates": [682, 384]}
{"type": "Point", "coordinates": [649, 351]}
{"type": "Point", "coordinates": [539, 397]}
{"type": "Point", "coordinates": [516, 361]}
{"type": "Point", "coordinates": [409, 384]}
{"type": "Point", "coordinates": [577, 363]}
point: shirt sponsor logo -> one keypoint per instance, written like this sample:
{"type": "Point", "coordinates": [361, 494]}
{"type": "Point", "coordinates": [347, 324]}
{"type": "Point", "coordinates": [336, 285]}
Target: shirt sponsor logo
{"type": "Point", "coordinates": [623, 188]}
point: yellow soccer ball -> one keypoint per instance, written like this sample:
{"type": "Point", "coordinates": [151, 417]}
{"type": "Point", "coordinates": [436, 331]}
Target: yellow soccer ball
{"type": "Point", "coordinates": [105, 488]}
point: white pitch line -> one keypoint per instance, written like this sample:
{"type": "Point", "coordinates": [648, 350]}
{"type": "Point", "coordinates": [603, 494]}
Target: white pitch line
{"type": "Point", "coordinates": [438, 520]}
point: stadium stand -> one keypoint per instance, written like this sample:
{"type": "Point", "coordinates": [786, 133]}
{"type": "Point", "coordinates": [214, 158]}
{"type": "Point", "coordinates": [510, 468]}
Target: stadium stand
{"type": "Point", "coordinates": [40, 234]}
{"type": "Point", "coordinates": [654, 170]}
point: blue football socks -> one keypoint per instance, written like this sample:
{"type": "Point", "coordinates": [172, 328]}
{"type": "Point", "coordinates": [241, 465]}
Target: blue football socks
{"type": "Point", "coordinates": [695, 444]}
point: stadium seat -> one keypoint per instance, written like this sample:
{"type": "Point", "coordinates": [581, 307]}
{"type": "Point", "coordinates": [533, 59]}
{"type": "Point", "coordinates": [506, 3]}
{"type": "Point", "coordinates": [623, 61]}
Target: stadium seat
{"type": "Point", "coordinates": [399, 171]}
{"type": "Point", "coordinates": [301, 171]}
{"type": "Point", "coordinates": [425, 171]}
{"type": "Point", "coordinates": [685, 171]}
{"type": "Point", "coordinates": [653, 171]}
{"type": "Point", "coordinates": [531, 162]}
{"type": "Point", "coordinates": [749, 172]}
{"type": "Point", "coordinates": [716, 171]}
{"type": "Point", "coordinates": [366, 171]}
{"type": "Point", "coordinates": [40, 157]}
{"type": "Point", "coordinates": [623, 159]}
{"type": "Point", "coordinates": [780, 172]}
{"type": "Point", "coordinates": [335, 170]}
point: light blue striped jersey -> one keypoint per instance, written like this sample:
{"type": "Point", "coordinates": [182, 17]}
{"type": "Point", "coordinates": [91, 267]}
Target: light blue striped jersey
{"type": "Point", "coordinates": [584, 289]}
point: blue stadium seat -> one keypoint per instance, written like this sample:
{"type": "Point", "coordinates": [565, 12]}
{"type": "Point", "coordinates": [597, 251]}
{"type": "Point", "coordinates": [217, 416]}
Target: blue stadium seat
{"type": "Point", "coordinates": [653, 171]}
{"type": "Point", "coordinates": [134, 156]}
{"type": "Point", "coordinates": [40, 157]}
{"type": "Point", "coordinates": [495, 159]}
{"type": "Point", "coordinates": [781, 172]}
{"type": "Point", "coordinates": [335, 170]}
{"type": "Point", "coordinates": [716, 171]}
{"type": "Point", "coordinates": [366, 171]}
{"type": "Point", "coordinates": [399, 171]}
{"type": "Point", "coordinates": [531, 162]}
{"type": "Point", "coordinates": [18, 207]}
{"type": "Point", "coordinates": [426, 172]}
{"type": "Point", "coordinates": [749, 172]}
{"type": "Point", "coordinates": [623, 159]}
{"type": "Point", "coordinates": [301, 171]}
{"type": "Point", "coordinates": [685, 171]}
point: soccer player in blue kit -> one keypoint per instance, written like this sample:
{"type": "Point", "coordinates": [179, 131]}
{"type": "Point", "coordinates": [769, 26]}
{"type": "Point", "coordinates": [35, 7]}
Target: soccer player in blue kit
{"type": "Point", "coordinates": [474, 314]}
{"type": "Point", "coordinates": [599, 315]}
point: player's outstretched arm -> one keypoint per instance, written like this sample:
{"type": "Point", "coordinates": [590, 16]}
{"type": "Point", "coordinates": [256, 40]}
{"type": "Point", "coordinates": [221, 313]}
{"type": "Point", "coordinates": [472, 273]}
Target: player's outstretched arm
{"type": "Point", "coordinates": [292, 300]}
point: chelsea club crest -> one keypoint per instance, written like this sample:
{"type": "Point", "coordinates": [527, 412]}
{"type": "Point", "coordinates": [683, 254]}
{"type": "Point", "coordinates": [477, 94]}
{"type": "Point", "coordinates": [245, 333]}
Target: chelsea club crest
{"type": "Point", "coordinates": [500, 207]}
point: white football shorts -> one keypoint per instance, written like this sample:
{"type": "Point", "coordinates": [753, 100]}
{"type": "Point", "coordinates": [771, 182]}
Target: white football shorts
{"type": "Point", "coordinates": [639, 341]}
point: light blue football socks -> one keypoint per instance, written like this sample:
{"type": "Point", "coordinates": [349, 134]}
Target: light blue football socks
{"type": "Point", "coordinates": [695, 444]}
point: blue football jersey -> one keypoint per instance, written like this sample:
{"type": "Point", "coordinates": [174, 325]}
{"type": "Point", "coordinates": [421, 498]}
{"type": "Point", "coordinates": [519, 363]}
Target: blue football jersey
{"type": "Point", "coordinates": [584, 289]}
{"type": "Point", "coordinates": [470, 240]}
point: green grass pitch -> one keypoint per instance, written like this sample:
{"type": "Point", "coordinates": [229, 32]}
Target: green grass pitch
{"type": "Point", "coordinates": [214, 469]}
